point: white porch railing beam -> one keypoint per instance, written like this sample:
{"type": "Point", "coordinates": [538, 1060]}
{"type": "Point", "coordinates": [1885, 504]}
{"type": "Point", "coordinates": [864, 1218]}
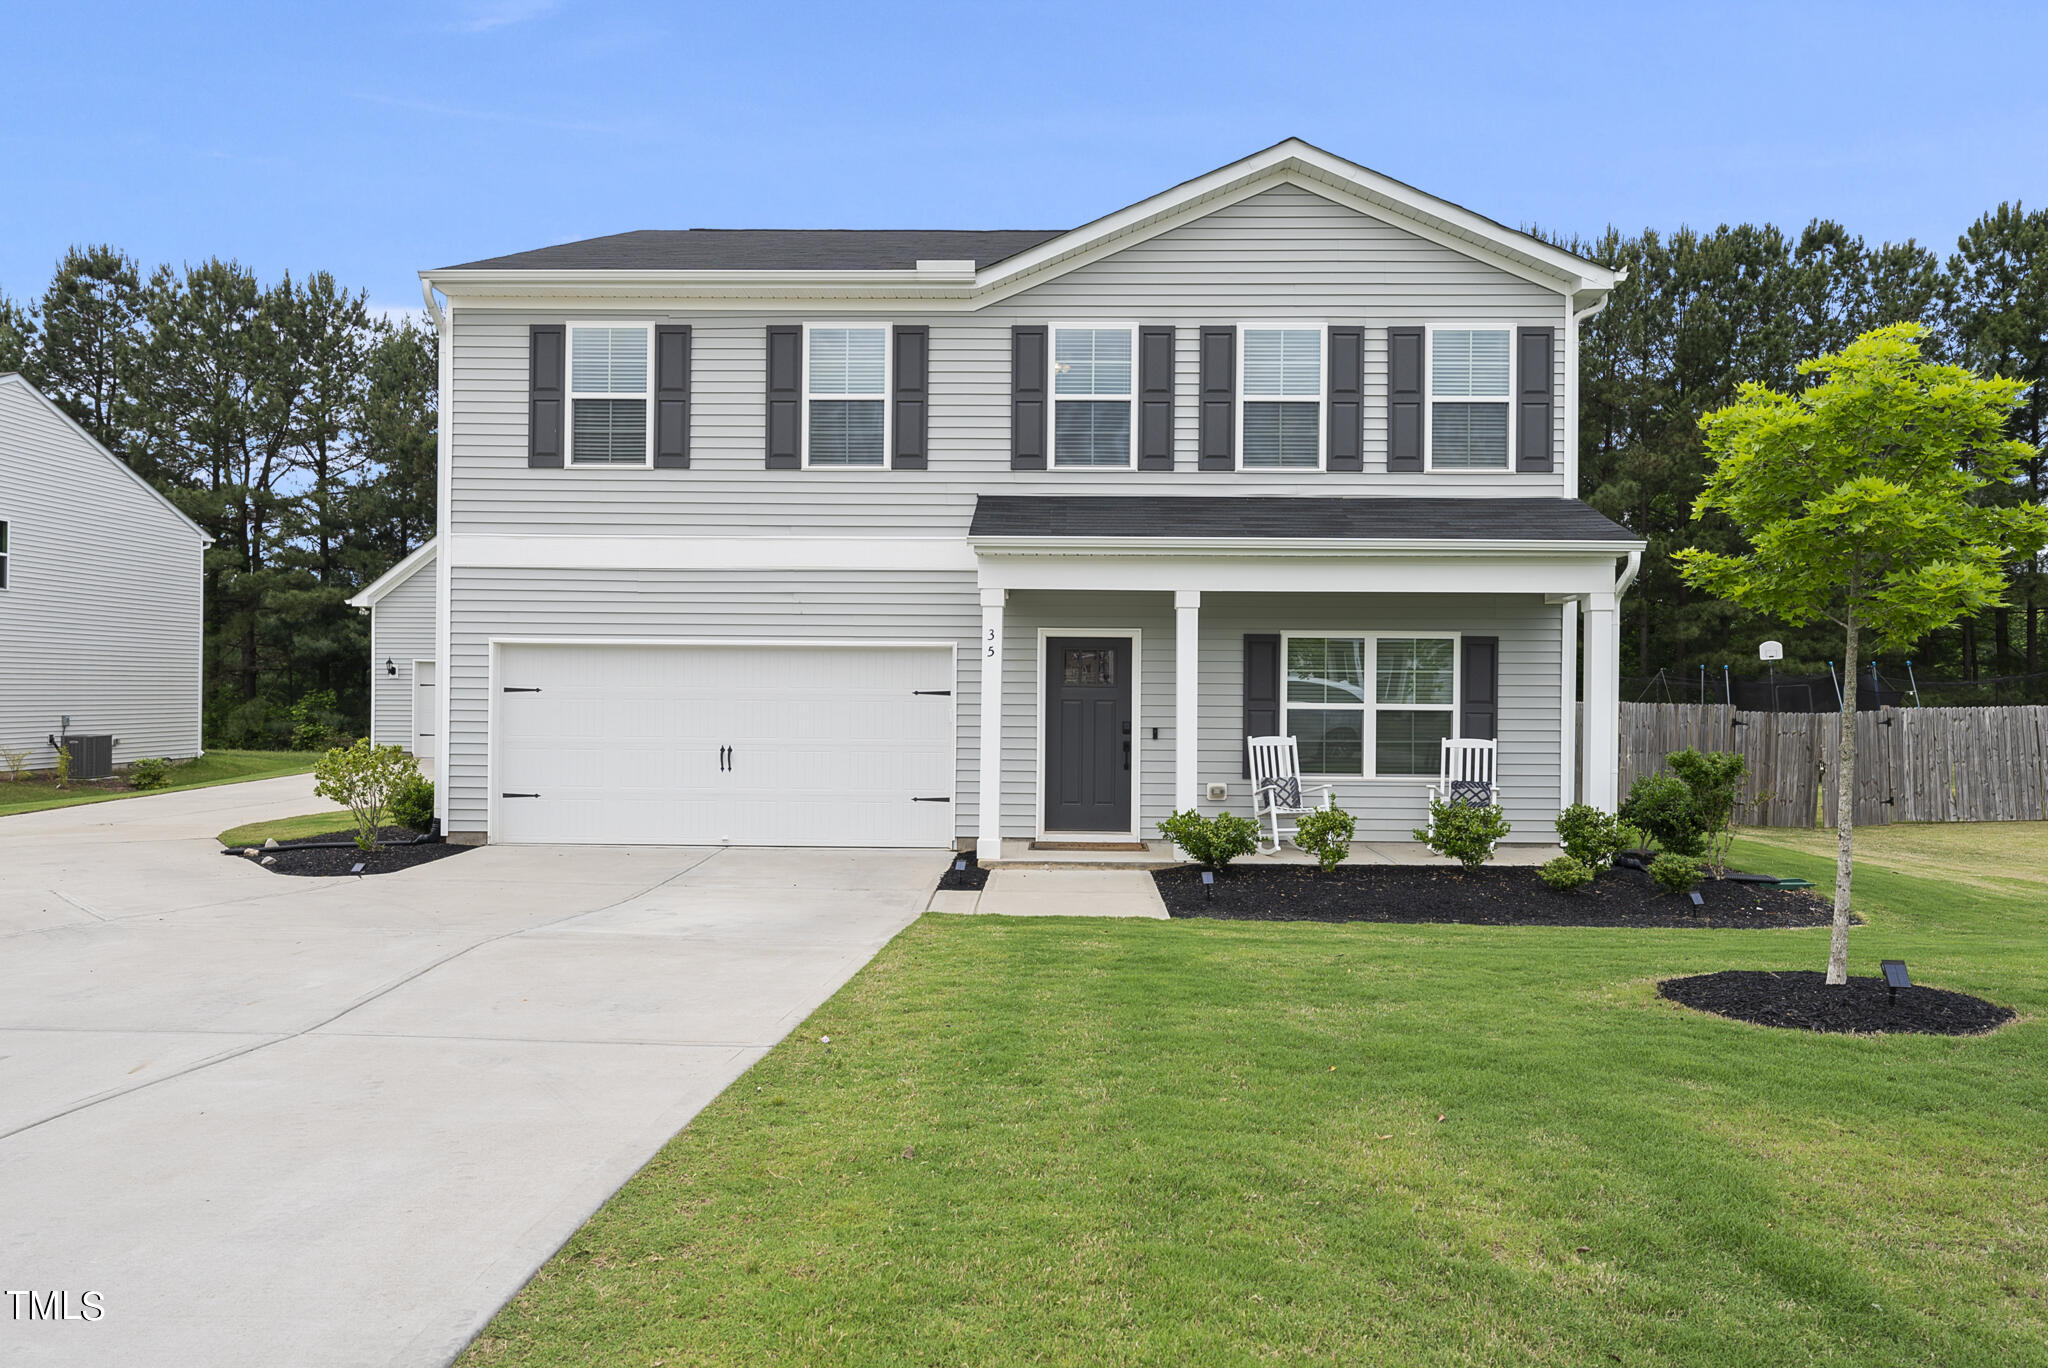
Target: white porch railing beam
{"type": "Point", "coordinates": [988, 840]}
{"type": "Point", "coordinates": [1187, 697]}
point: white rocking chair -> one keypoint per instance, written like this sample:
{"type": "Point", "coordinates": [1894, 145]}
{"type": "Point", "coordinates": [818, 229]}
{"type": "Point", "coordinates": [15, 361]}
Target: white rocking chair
{"type": "Point", "coordinates": [1467, 774]}
{"type": "Point", "coordinates": [1277, 789]}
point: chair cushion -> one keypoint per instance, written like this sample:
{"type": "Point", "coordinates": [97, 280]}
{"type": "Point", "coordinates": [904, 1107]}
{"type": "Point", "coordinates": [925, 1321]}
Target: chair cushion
{"type": "Point", "coordinates": [1472, 792]}
{"type": "Point", "coordinates": [1284, 792]}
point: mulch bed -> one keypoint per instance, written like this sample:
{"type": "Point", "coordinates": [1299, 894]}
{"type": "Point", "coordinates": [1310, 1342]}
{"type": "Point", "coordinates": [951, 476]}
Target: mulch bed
{"type": "Point", "coordinates": [294, 858]}
{"type": "Point", "coordinates": [970, 879]}
{"type": "Point", "coordinates": [1802, 1000]}
{"type": "Point", "coordinates": [1494, 896]}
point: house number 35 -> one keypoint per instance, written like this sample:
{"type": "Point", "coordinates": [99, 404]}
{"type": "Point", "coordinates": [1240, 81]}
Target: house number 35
{"type": "Point", "coordinates": [991, 643]}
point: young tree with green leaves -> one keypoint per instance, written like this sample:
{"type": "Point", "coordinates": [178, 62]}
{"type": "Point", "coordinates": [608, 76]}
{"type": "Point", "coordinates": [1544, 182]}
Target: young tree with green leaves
{"type": "Point", "coordinates": [1858, 499]}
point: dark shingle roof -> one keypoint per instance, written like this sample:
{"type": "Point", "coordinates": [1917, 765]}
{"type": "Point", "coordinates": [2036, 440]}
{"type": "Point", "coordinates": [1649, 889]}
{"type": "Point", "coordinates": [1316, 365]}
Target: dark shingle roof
{"type": "Point", "coordinates": [771, 249]}
{"type": "Point", "coordinates": [1362, 519]}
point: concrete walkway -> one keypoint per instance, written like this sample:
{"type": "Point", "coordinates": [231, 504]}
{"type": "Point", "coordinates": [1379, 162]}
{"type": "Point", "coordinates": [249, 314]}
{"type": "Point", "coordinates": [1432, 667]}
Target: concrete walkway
{"type": "Point", "coordinates": [336, 1121]}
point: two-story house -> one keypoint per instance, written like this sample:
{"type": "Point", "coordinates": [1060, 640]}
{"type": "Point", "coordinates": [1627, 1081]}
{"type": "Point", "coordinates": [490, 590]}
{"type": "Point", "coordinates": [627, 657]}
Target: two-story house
{"type": "Point", "coordinates": [923, 537]}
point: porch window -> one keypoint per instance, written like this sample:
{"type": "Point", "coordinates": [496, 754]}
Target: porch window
{"type": "Point", "coordinates": [608, 388]}
{"type": "Point", "coordinates": [1414, 697]}
{"type": "Point", "coordinates": [1468, 410]}
{"type": "Point", "coordinates": [1326, 703]}
{"type": "Point", "coordinates": [1282, 399]}
{"type": "Point", "coordinates": [846, 383]}
{"type": "Point", "coordinates": [1092, 375]}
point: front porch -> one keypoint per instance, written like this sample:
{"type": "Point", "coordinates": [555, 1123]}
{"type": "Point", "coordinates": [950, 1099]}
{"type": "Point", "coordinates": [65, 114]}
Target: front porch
{"type": "Point", "coordinates": [1022, 853]}
{"type": "Point", "coordinates": [1120, 675]}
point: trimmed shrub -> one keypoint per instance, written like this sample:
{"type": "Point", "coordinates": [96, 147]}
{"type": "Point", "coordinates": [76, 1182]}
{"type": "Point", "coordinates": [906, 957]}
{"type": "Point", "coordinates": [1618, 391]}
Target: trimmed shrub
{"type": "Point", "coordinates": [1464, 832]}
{"type": "Point", "coordinates": [1589, 836]}
{"type": "Point", "coordinates": [1565, 874]}
{"type": "Point", "coordinates": [1212, 841]}
{"type": "Point", "coordinates": [1676, 873]}
{"type": "Point", "coordinates": [1715, 779]}
{"type": "Point", "coordinates": [150, 772]}
{"type": "Point", "coordinates": [413, 804]}
{"type": "Point", "coordinates": [1661, 804]}
{"type": "Point", "coordinates": [363, 779]}
{"type": "Point", "coordinates": [1326, 834]}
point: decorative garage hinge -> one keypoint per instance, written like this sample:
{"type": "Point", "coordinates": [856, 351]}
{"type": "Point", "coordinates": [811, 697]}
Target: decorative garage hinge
{"type": "Point", "coordinates": [931, 693]}
{"type": "Point", "coordinates": [509, 688]}
{"type": "Point", "coordinates": [519, 795]}
{"type": "Point", "coordinates": [931, 800]}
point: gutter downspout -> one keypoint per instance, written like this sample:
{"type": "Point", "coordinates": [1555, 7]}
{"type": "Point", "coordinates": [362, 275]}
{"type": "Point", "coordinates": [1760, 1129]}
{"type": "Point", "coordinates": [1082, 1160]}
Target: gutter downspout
{"type": "Point", "coordinates": [433, 309]}
{"type": "Point", "coordinates": [1571, 379]}
{"type": "Point", "coordinates": [1628, 574]}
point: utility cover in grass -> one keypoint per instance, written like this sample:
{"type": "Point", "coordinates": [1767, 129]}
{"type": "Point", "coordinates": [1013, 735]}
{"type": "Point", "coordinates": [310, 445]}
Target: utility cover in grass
{"type": "Point", "coordinates": [1803, 1000]}
{"type": "Point", "coordinates": [1494, 896]}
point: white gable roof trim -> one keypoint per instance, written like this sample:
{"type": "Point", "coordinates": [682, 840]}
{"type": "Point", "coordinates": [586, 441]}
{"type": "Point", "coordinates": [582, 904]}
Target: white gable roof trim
{"type": "Point", "coordinates": [1291, 162]}
{"type": "Point", "coordinates": [398, 574]}
{"type": "Point", "coordinates": [13, 377]}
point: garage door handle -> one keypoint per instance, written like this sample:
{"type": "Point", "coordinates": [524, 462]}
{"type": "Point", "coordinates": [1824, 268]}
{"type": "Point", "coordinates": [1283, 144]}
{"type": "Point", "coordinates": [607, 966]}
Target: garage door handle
{"type": "Point", "coordinates": [519, 795]}
{"type": "Point", "coordinates": [508, 689]}
{"type": "Point", "coordinates": [931, 693]}
{"type": "Point", "coordinates": [931, 800]}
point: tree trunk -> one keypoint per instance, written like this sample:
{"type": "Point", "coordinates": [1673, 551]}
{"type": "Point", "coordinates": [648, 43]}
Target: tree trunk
{"type": "Point", "coordinates": [1845, 813]}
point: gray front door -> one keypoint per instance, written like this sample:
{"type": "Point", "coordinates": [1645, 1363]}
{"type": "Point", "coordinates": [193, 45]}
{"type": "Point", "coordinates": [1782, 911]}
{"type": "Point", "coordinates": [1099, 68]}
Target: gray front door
{"type": "Point", "coordinates": [1088, 734]}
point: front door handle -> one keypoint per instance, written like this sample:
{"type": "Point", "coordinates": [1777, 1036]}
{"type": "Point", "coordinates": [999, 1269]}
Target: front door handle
{"type": "Point", "coordinates": [1127, 757]}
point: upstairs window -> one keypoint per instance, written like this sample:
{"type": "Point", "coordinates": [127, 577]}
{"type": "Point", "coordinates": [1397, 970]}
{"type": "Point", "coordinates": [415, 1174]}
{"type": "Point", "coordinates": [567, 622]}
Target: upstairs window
{"type": "Point", "coordinates": [1281, 398]}
{"type": "Point", "coordinates": [608, 388]}
{"type": "Point", "coordinates": [1469, 393]}
{"type": "Point", "coordinates": [1092, 378]}
{"type": "Point", "coordinates": [846, 394]}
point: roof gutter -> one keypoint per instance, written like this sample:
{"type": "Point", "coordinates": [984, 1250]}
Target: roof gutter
{"type": "Point", "coordinates": [1297, 546]}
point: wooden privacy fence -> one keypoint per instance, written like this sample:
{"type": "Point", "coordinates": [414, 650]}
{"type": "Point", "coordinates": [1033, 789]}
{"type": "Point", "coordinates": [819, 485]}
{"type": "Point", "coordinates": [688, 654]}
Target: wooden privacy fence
{"type": "Point", "coordinates": [1912, 764]}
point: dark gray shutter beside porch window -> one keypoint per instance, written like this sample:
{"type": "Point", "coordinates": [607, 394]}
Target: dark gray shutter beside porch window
{"type": "Point", "coordinates": [1261, 691]}
{"type": "Point", "coordinates": [1155, 398]}
{"type": "Point", "coordinates": [544, 397]}
{"type": "Point", "coordinates": [1479, 695]}
{"type": "Point", "coordinates": [672, 397]}
{"type": "Point", "coordinates": [1218, 428]}
{"type": "Point", "coordinates": [909, 384]}
{"type": "Point", "coordinates": [785, 397]}
{"type": "Point", "coordinates": [1027, 398]}
{"type": "Point", "coordinates": [1404, 399]}
{"type": "Point", "coordinates": [1346, 450]}
{"type": "Point", "coordinates": [1535, 400]}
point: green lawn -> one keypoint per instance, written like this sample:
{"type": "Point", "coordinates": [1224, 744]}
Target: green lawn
{"type": "Point", "coordinates": [214, 767]}
{"type": "Point", "coordinates": [334, 822]}
{"type": "Point", "coordinates": [1096, 1142]}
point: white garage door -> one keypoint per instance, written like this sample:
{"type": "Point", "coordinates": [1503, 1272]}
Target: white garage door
{"type": "Point", "coordinates": [706, 745]}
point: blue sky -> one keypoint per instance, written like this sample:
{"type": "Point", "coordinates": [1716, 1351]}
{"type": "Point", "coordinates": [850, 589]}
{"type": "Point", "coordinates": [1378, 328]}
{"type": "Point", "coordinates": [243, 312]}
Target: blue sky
{"type": "Point", "coordinates": [374, 139]}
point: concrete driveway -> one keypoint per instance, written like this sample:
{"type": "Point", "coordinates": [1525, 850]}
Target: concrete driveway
{"type": "Point", "coordinates": [337, 1121]}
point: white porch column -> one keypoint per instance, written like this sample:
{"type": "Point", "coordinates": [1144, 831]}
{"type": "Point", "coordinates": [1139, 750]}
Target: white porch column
{"type": "Point", "coordinates": [1568, 703]}
{"type": "Point", "coordinates": [988, 782]}
{"type": "Point", "coordinates": [1187, 697]}
{"type": "Point", "coordinates": [1603, 699]}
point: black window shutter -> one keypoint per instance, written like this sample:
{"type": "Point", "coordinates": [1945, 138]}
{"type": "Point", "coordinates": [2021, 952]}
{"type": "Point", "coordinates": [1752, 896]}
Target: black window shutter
{"type": "Point", "coordinates": [544, 397]}
{"type": "Point", "coordinates": [1027, 398]}
{"type": "Point", "coordinates": [1346, 450]}
{"type": "Point", "coordinates": [1155, 398]}
{"type": "Point", "coordinates": [1535, 399]}
{"type": "Point", "coordinates": [785, 397]}
{"type": "Point", "coordinates": [910, 383]}
{"type": "Point", "coordinates": [1261, 691]}
{"type": "Point", "coordinates": [1404, 398]}
{"type": "Point", "coordinates": [1479, 709]}
{"type": "Point", "coordinates": [1219, 399]}
{"type": "Point", "coordinates": [672, 397]}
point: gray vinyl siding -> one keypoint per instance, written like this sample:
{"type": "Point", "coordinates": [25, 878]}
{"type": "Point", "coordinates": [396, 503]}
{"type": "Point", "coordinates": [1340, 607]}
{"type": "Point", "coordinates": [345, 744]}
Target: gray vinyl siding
{"type": "Point", "coordinates": [401, 631]}
{"type": "Point", "coordinates": [1283, 255]}
{"type": "Point", "coordinates": [676, 604]}
{"type": "Point", "coordinates": [101, 619]}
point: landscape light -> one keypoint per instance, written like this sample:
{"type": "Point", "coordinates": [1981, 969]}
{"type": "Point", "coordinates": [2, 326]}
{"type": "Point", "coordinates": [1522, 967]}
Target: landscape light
{"type": "Point", "coordinates": [1895, 977]}
{"type": "Point", "coordinates": [1208, 882]}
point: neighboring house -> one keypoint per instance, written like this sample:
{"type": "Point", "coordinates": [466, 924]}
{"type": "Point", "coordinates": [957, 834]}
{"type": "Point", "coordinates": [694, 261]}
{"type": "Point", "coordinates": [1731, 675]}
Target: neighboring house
{"type": "Point", "coordinates": [101, 589]}
{"type": "Point", "coordinates": [908, 538]}
{"type": "Point", "coordinates": [404, 710]}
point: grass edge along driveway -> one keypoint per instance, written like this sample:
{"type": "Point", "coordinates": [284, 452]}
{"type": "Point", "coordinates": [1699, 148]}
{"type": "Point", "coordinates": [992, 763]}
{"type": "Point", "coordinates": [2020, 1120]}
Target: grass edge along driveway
{"type": "Point", "coordinates": [205, 771]}
{"type": "Point", "coordinates": [1064, 1141]}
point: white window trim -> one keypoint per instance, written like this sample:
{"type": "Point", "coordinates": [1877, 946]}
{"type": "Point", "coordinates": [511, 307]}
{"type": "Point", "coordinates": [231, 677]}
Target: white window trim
{"type": "Point", "coordinates": [1429, 332]}
{"type": "Point", "coordinates": [888, 379]}
{"type": "Point", "coordinates": [1130, 398]}
{"type": "Point", "coordinates": [569, 391]}
{"type": "Point", "coordinates": [1371, 707]}
{"type": "Point", "coordinates": [1321, 399]}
